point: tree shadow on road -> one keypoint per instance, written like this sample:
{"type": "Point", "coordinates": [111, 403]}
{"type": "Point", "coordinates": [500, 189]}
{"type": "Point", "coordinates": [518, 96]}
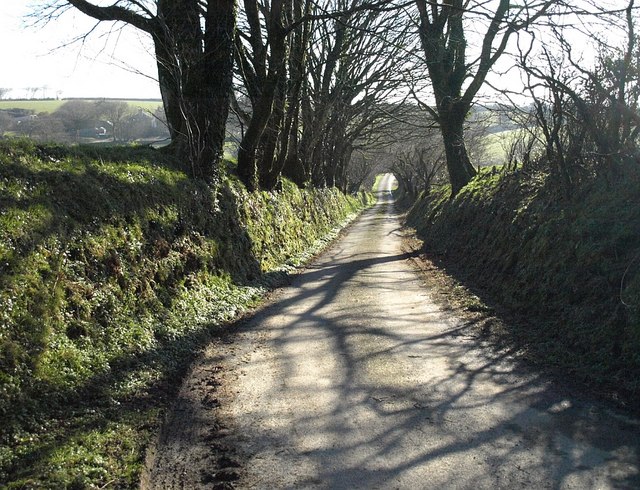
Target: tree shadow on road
{"type": "Point", "coordinates": [482, 419]}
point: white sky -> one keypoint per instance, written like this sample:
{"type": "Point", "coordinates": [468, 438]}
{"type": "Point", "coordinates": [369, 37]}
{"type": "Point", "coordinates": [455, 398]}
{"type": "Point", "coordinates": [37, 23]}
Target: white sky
{"type": "Point", "coordinates": [101, 67]}
{"type": "Point", "coordinates": [96, 69]}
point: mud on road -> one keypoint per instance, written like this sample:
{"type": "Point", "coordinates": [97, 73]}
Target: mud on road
{"type": "Point", "coordinates": [354, 377]}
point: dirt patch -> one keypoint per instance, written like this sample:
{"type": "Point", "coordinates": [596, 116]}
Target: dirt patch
{"type": "Point", "coordinates": [191, 451]}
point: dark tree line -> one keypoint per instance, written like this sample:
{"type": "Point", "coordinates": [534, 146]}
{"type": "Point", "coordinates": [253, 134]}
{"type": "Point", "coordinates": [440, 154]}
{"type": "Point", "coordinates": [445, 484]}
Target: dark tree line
{"type": "Point", "coordinates": [109, 120]}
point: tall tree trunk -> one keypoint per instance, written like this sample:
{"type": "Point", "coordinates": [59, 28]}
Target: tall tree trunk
{"type": "Point", "coordinates": [263, 101]}
{"type": "Point", "coordinates": [269, 169]}
{"type": "Point", "coordinates": [193, 41]}
{"type": "Point", "coordinates": [287, 140]}
{"type": "Point", "coordinates": [247, 158]}
{"type": "Point", "coordinates": [195, 75]}
{"type": "Point", "coordinates": [442, 34]}
{"type": "Point", "coordinates": [345, 158]}
{"type": "Point", "coordinates": [293, 168]}
{"type": "Point", "coordinates": [211, 88]}
{"type": "Point", "coordinates": [169, 88]}
{"type": "Point", "coordinates": [247, 152]}
{"type": "Point", "coordinates": [288, 158]}
{"type": "Point", "coordinates": [459, 167]}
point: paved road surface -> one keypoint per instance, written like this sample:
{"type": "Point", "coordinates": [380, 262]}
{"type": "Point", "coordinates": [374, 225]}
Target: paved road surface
{"type": "Point", "coordinates": [353, 378]}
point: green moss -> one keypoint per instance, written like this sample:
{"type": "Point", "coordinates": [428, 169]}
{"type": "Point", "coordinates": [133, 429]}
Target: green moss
{"type": "Point", "coordinates": [293, 218]}
{"type": "Point", "coordinates": [115, 270]}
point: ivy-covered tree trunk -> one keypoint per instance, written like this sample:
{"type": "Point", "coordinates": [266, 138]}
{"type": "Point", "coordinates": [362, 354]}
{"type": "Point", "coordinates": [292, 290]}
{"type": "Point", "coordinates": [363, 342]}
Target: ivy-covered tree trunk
{"type": "Point", "coordinates": [195, 73]}
{"type": "Point", "coordinates": [459, 166]}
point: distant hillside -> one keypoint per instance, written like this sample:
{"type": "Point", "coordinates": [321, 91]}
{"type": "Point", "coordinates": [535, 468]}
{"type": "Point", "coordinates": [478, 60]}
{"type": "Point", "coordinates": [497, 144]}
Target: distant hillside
{"type": "Point", "coordinates": [86, 121]}
{"type": "Point", "coordinates": [50, 105]}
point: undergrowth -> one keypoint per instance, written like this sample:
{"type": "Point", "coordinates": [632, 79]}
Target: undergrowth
{"type": "Point", "coordinates": [115, 270]}
{"type": "Point", "coordinates": [567, 270]}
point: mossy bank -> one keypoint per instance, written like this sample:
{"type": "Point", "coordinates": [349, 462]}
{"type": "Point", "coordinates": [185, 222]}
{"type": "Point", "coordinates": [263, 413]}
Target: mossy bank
{"type": "Point", "coordinates": [566, 271]}
{"type": "Point", "coordinates": [115, 269]}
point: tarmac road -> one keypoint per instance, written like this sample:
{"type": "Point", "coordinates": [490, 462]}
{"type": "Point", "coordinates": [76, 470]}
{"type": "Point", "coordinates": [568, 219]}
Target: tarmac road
{"type": "Point", "coordinates": [352, 377]}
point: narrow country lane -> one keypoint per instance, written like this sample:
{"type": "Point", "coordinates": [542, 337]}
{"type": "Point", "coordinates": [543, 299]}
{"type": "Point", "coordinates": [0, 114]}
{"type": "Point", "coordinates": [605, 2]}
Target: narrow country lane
{"type": "Point", "coordinates": [353, 378]}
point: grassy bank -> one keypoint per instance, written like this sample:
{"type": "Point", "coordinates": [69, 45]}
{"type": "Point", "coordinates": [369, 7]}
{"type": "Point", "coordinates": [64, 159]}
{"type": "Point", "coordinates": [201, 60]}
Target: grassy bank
{"type": "Point", "coordinates": [568, 271]}
{"type": "Point", "coordinates": [115, 269]}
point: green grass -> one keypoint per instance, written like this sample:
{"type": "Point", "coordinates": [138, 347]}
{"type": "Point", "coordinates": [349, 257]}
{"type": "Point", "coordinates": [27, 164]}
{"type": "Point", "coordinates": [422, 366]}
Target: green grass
{"type": "Point", "coordinates": [49, 106]}
{"type": "Point", "coordinates": [115, 270]}
{"type": "Point", "coordinates": [376, 183]}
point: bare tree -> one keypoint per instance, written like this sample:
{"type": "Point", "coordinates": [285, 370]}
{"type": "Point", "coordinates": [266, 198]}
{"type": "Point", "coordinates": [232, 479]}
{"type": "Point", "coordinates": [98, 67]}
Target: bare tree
{"type": "Point", "coordinates": [193, 43]}
{"type": "Point", "coordinates": [76, 115]}
{"type": "Point", "coordinates": [417, 169]}
{"type": "Point", "coordinates": [271, 39]}
{"type": "Point", "coordinates": [412, 146]}
{"type": "Point", "coordinates": [4, 92]}
{"type": "Point", "coordinates": [444, 28]}
{"type": "Point", "coordinates": [362, 169]}
{"type": "Point", "coordinates": [586, 119]}
{"type": "Point", "coordinates": [354, 71]}
{"type": "Point", "coordinates": [316, 75]}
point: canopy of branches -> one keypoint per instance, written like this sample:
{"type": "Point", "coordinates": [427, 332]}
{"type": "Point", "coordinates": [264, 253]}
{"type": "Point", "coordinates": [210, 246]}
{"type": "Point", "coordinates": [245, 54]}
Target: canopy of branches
{"type": "Point", "coordinates": [318, 90]}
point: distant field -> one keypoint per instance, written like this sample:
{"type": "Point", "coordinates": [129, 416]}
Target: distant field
{"type": "Point", "coordinates": [51, 105]}
{"type": "Point", "coordinates": [497, 143]}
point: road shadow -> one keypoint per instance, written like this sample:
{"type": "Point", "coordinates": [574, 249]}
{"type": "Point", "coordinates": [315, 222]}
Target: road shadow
{"type": "Point", "coordinates": [505, 424]}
